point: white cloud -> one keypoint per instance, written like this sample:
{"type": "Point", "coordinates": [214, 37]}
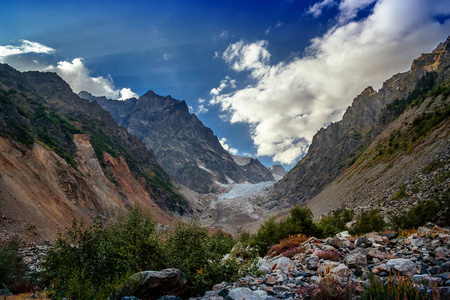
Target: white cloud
{"type": "Point", "coordinates": [202, 109]}
{"type": "Point", "coordinates": [279, 24]}
{"type": "Point", "coordinates": [349, 8]}
{"type": "Point", "coordinates": [290, 101]}
{"type": "Point", "coordinates": [268, 30]}
{"type": "Point", "coordinates": [25, 47]}
{"type": "Point", "coordinates": [223, 84]}
{"type": "Point", "coordinates": [316, 9]}
{"type": "Point", "coordinates": [200, 100]}
{"type": "Point", "coordinates": [223, 142]}
{"type": "Point", "coordinates": [127, 93]}
{"type": "Point", "coordinates": [74, 73]}
{"type": "Point", "coordinates": [166, 56]}
{"type": "Point", "coordinates": [216, 55]}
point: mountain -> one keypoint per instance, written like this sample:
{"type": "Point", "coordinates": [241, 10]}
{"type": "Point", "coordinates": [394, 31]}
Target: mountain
{"type": "Point", "coordinates": [187, 150]}
{"type": "Point", "coordinates": [277, 171]}
{"type": "Point", "coordinates": [253, 169]}
{"type": "Point", "coordinates": [62, 157]}
{"type": "Point", "coordinates": [383, 143]}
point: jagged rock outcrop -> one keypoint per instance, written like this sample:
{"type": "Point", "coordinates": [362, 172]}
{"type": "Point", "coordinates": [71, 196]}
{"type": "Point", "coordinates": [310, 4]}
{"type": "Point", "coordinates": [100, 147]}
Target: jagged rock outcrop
{"type": "Point", "coordinates": [253, 169]}
{"type": "Point", "coordinates": [62, 157]}
{"type": "Point", "coordinates": [187, 150]}
{"type": "Point", "coordinates": [336, 148]}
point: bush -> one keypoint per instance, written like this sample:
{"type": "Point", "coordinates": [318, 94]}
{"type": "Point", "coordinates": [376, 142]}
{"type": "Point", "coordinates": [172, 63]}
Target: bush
{"type": "Point", "coordinates": [285, 246]}
{"type": "Point", "coordinates": [368, 221]}
{"type": "Point", "coordinates": [93, 262]}
{"type": "Point", "coordinates": [394, 288]}
{"type": "Point", "coordinates": [89, 263]}
{"type": "Point", "coordinates": [13, 271]}
{"type": "Point", "coordinates": [335, 222]}
{"type": "Point", "coordinates": [417, 216]}
{"type": "Point", "coordinates": [329, 288]}
{"type": "Point", "coordinates": [271, 232]}
{"type": "Point", "coordinates": [200, 257]}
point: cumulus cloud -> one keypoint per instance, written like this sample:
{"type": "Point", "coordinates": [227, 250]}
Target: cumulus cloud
{"type": "Point", "coordinates": [25, 47]}
{"type": "Point", "coordinates": [290, 101]}
{"type": "Point", "coordinates": [223, 142]}
{"type": "Point", "coordinates": [316, 9]}
{"type": "Point", "coordinates": [74, 72]}
{"type": "Point", "coordinates": [127, 93]}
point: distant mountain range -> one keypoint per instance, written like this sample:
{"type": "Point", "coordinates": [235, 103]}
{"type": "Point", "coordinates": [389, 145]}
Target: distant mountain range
{"type": "Point", "coordinates": [187, 150]}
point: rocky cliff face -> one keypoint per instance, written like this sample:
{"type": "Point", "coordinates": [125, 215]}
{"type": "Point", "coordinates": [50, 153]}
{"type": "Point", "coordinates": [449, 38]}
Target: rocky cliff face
{"type": "Point", "coordinates": [336, 148]}
{"type": "Point", "coordinates": [62, 157]}
{"type": "Point", "coordinates": [187, 150]}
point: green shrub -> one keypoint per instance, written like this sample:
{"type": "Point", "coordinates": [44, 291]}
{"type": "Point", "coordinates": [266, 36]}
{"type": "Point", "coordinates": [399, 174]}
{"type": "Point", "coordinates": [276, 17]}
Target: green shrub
{"type": "Point", "coordinates": [335, 222]}
{"type": "Point", "coordinates": [368, 221]}
{"type": "Point", "coordinates": [271, 232]}
{"type": "Point", "coordinates": [13, 271]}
{"type": "Point", "coordinates": [417, 216]}
{"type": "Point", "coordinates": [400, 194]}
{"type": "Point", "coordinates": [87, 260]}
{"type": "Point", "coordinates": [93, 262]}
{"type": "Point", "coordinates": [199, 256]}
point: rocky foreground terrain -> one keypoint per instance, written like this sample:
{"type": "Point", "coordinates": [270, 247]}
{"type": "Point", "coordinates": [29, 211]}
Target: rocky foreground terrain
{"type": "Point", "coordinates": [423, 256]}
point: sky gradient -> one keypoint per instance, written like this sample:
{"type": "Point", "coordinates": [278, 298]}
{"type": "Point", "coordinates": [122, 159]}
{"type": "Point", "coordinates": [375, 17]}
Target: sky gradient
{"type": "Point", "coordinates": [265, 76]}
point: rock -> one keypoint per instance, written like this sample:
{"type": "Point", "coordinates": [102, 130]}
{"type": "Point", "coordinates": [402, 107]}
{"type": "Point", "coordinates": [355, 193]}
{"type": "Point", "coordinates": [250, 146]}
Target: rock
{"type": "Point", "coordinates": [326, 267]}
{"type": "Point", "coordinates": [341, 270]}
{"type": "Point", "coordinates": [168, 297]}
{"type": "Point", "coordinates": [313, 263]}
{"type": "Point", "coordinates": [223, 292]}
{"type": "Point", "coordinates": [419, 242]}
{"type": "Point", "coordinates": [154, 284]}
{"type": "Point", "coordinates": [373, 253]}
{"type": "Point", "coordinates": [381, 268]}
{"type": "Point", "coordinates": [356, 260]}
{"type": "Point", "coordinates": [404, 266]}
{"type": "Point", "coordinates": [363, 242]}
{"type": "Point", "coordinates": [283, 263]}
{"type": "Point", "coordinates": [338, 242]}
{"type": "Point", "coordinates": [343, 234]}
{"type": "Point", "coordinates": [243, 294]}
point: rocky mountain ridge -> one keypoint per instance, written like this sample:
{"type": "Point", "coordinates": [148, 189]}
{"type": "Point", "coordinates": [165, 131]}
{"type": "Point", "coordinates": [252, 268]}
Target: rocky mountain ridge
{"type": "Point", "coordinates": [187, 150]}
{"type": "Point", "coordinates": [62, 157]}
{"type": "Point", "coordinates": [365, 125]}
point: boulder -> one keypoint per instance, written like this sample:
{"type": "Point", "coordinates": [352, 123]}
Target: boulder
{"type": "Point", "coordinates": [243, 294]}
{"type": "Point", "coordinates": [403, 266]}
{"type": "Point", "coordinates": [338, 242]}
{"type": "Point", "coordinates": [363, 242]}
{"type": "Point", "coordinates": [356, 260]}
{"type": "Point", "coordinates": [283, 263]}
{"type": "Point", "coordinates": [151, 285]}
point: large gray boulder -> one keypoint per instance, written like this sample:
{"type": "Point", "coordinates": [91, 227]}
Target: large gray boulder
{"type": "Point", "coordinates": [404, 266]}
{"type": "Point", "coordinates": [151, 285]}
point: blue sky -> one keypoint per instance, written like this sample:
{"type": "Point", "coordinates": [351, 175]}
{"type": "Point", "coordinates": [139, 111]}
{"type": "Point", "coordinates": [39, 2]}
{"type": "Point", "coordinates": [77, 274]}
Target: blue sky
{"type": "Point", "coordinates": [264, 75]}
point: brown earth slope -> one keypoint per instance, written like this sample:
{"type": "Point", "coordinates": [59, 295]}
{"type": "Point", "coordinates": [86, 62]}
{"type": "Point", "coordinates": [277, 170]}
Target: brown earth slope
{"type": "Point", "coordinates": [62, 157]}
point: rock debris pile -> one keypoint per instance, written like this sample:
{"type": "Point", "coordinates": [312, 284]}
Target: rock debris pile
{"type": "Point", "coordinates": [424, 256]}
